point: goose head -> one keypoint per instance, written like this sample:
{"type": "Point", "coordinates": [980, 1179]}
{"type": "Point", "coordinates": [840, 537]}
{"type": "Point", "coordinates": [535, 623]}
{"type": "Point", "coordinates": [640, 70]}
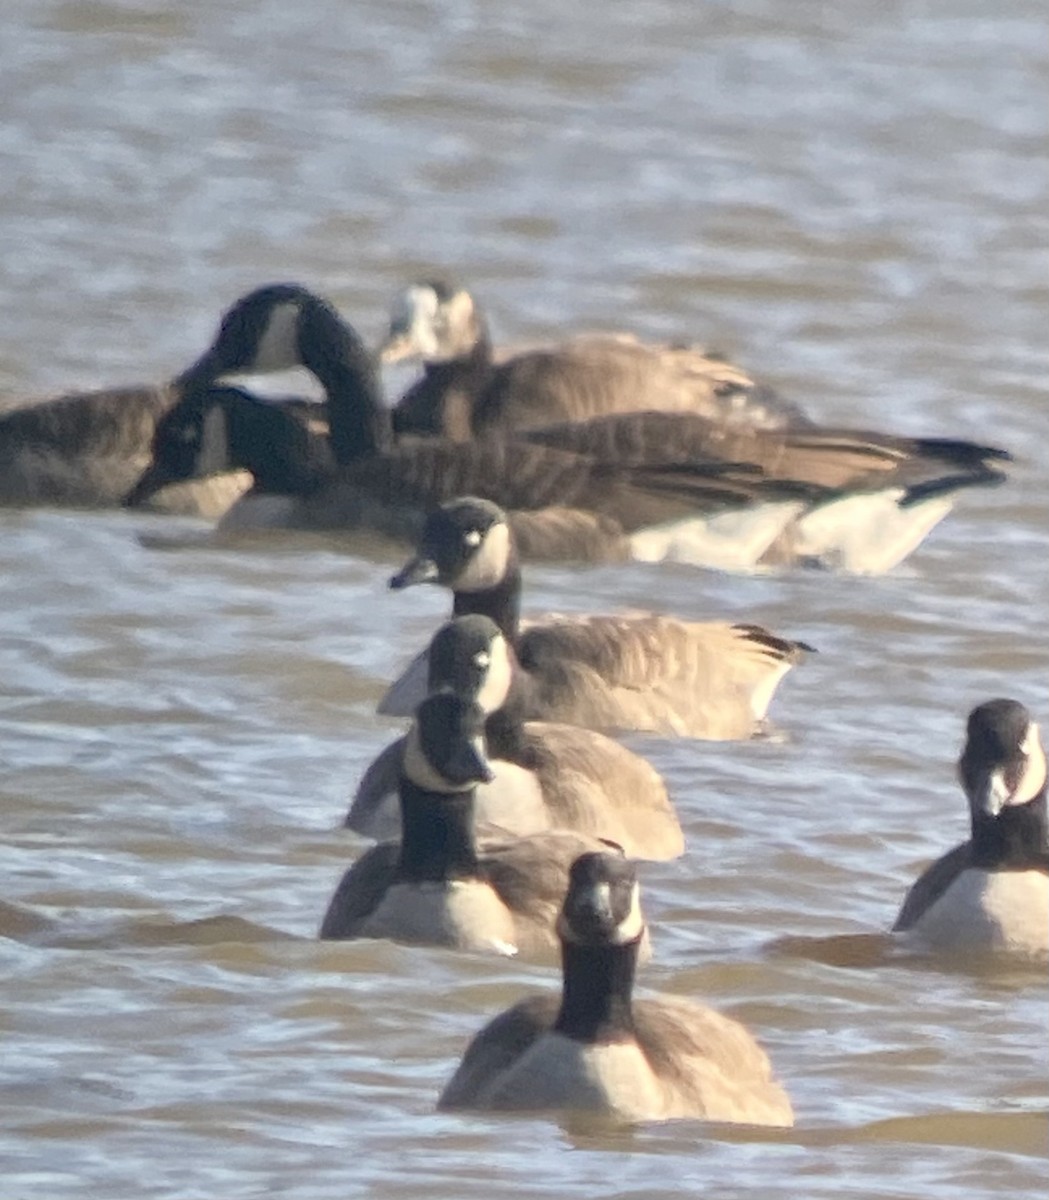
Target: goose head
{"type": "Point", "coordinates": [434, 321]}
{"type": "Point", "coordinates": [602, 906]}
{"type": "Point", "coordinates": [1003, 762]}
{"type": "Point", "coordinates": [465, 545]}
{"type": "Point", "coordinates": [470, 657]}
{"type": "Point", "coordinates": [444, 751]}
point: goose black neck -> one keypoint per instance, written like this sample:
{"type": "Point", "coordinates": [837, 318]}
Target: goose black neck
{"type": "Point", "coordinates": [282, 455]}
{"type": "Point", "coordinates": [358, 420]}
{"type": "Point", "coordinates": [501, 603]}
{"type": "Point", "coordinates": [455, 388]}
{"type": "Point", "coordinates": [1015, 839]}
{"type": "Point", "coordinates": [437, 842]}
{"type": "Point", "coordinates": [596, 995]}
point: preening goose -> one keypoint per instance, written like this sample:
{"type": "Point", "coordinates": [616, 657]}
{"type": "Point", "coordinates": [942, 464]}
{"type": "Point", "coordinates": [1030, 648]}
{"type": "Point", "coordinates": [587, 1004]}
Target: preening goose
{"type": "Point", "coordinates": [992, 892]}
{"type": "Point", "coordinates": [90, 448]}
{"type": "Point", "coordinates": [597, 1049]}
{"type": "Point", "coordinates": [567, 505]}
{"type": "Point", "coordinates": [438, 885]}
{"type": "Point", "coordinates": [465, 392]}
{"type": "Point", "coordinates": [545, 775]}
{"type": "Point", "coordinates": [699, 679]}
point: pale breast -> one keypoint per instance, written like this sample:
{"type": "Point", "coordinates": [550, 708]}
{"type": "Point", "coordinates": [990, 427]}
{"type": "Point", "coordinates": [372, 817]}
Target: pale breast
{"type": "Point", "coordinates": [465, 914]}
{"type": "Point", "coordinates": [990, 911]}
{"type": "Point", "coordinates": [559, 1073]}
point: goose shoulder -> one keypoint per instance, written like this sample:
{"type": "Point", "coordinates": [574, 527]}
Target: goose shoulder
{"type": "Point", "coordinates": [931, 885]}
{"type": "Point", "coordinates": [593, 784]}
{"type": "Point", "coordinates": [495, 1049]}
{"type": "Point", "coordinates": [360, 891]}
{"type": "Point", "coordinates": [530, 876]}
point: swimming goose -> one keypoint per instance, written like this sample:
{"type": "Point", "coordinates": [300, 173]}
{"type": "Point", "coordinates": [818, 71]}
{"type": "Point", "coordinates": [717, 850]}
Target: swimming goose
{"type": "Point", "coordinates": [991, 892]}
{"type": "Point", "coordinates": [89, 448]}
{"type": "Point", "coordinates": [465, 392]}
{"type": "Point", "coordinates": [597, 1049]}
{"type": "Point", "coordinates": [85, 449]}
{"type": "Point", "coordinates": [700, 679]}
{"type": "Point", "coordinates": [438, 885]}
{"type": "Point", "coordinates": [594, 396]}
{"type": "Point", "coordinates": [568, 505]}
{"type": "Point", "coordinates": [545, 775]}
{"type": "Point", "coordinates": [882, 494]}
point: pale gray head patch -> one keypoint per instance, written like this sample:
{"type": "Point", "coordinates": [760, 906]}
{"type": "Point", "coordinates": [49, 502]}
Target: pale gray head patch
{"type": "Point", "coordinates": [488, 561]}
{"type": "Point", "coordinates": [278, 345]}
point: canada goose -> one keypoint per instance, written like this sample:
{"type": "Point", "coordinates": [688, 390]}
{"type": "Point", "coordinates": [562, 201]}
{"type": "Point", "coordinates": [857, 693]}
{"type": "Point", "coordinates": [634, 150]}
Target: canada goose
{"type": "Point", "coordinates": [438, 885]}
{"type": "Point", "coordinates": [991, 892]}
{"type": "Point", "coordinates": [546, 776]}
{"type": "Point", "coordinates": [568, 505]}
{"type": "Point", "coordinates": [591, 396]}
{"type": "Point", "coordinates": [465, 392]}
{"type": "Point", "coordinates": [882, 494]}
{"type": "Point", "coordinates": [711, 680]}
{"type": "Point", "coordinates": [597, 1049]}
{"type": "Point", "coordinates": [85, 449]}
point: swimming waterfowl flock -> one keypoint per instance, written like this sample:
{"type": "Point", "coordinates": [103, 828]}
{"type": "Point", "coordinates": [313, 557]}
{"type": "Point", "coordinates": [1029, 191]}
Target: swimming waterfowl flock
{"type": "Point", "coordinates": [508, 818]}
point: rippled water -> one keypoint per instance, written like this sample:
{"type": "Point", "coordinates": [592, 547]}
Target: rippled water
{"type": "Point", "coordinates": [849, 199]}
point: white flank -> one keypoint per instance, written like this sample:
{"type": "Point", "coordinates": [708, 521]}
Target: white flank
{"type": "Point", "coordinates": [730, 541]}
{"type": "Point", "coordinates": [866, 534]}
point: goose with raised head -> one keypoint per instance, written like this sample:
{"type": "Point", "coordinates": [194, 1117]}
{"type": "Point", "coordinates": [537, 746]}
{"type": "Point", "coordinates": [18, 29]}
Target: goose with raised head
{"type": "Point", "coordinates": [466, 390]}
{"type": "Point", "coordinates": [545, 775]}
{"type": "Point", "coordinates": [991, 892]}
{"type": "Point", "coordinates": [643, 672]}
{"type": "Point", "coordinates": [598, 1049]}
{"type": "Point", "coordinates": [439, 885]}
{"type": "Point", "coordinates": [566, 505]}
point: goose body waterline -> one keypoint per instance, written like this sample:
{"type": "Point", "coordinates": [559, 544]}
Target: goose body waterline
{"type": "Point", "coordinates": [545, 775]}
{"type": "Point", "coordinates": [643, 672]}
{"type": "Point", "coordinates": [991, 893]}
{"type": "Point", "coordinates": [598, 1049]}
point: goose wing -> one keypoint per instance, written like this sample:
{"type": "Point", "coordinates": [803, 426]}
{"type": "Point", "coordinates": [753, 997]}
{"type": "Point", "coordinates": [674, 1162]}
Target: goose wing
{"type": "Point", "coordinates": [649, 672]}
{"type": "Point", "coordinates": [595, 374]}
{"type": "Point", "coordinates": [830, 458]}
{"type": "Point", "coordinates": [595, 785]}
{"type": "Point", "coordinates": [373, 811]}
{"type": "Point", "coordinates": [710, 1064]}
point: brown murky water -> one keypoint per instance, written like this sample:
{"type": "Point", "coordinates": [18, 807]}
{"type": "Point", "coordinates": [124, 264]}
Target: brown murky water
{"type": "Point", "coordinates": [849, 198]}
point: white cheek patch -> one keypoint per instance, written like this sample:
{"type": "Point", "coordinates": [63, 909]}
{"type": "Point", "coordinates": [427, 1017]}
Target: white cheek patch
{"type": "Point", "coordinates": [213, 457]}
{"type": "Point", "coordinates": [278, 347]}
{"type": "Point", "coordinates": [418, 768]}
{"type": "Point", "coordinates": [633, 924]}
{"type": "Point", "coordinates": [415, 315]}
{"type": "Point", "coordinates": [487, 566]}
{"type": "Point", "coordinates": [498, 678]}
{"type": "Point", "coordinates": [1033, 778]}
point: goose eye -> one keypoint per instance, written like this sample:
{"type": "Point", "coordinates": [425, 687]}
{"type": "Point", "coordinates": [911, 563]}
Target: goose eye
{"type": "Point", "coordinates": [187, 434]}
{"type": "Point", "coordinates": [472, 537]}
{"type": "Point", "coordinates": [482, 658]}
